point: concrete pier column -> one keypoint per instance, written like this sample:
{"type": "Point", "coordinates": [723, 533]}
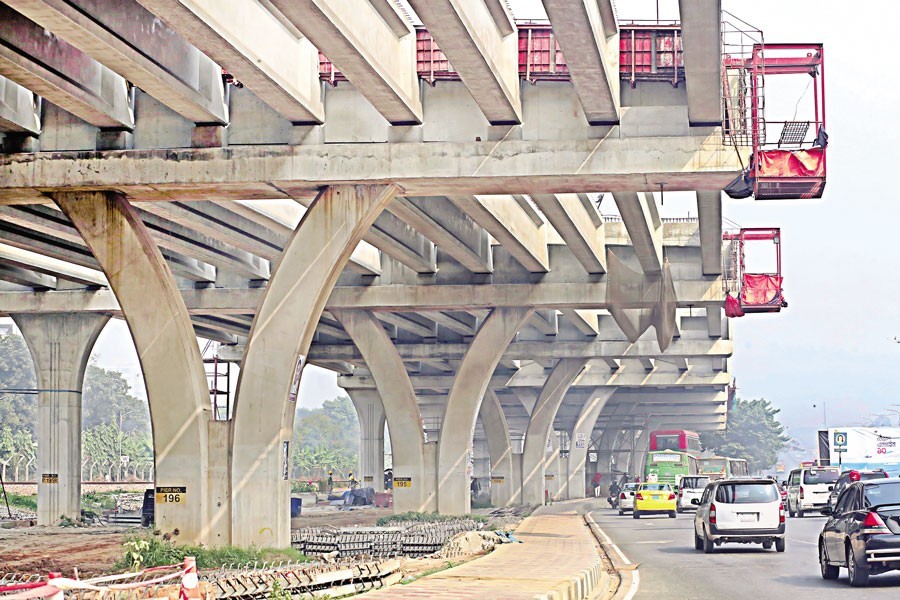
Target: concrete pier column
{"type": "Point", "coordinates": [580, 439]}
{"type": "Point", "coordinates": [552, 460]}
{"type": "Point", "coordinates": [276, 351]}
{"type": "Point", "coordinates": [400, 407]}
{"type": "Point", "coordinates": [370, 413]}
{"type": "Point", "coordinates": [464, 403]}
{"type": "Point", "coordinates": [60, 346]}
{"type": "Point", "coordinates": [566, 373]}
{"type": "Point", "coordinates": [496, 430]}
{"type": "Point", "coordinates": [170, 358]}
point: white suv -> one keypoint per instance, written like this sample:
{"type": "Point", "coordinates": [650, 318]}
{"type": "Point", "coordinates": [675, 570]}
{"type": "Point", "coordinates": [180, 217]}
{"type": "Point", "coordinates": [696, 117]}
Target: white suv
{"type": "Point", "coordinates": [626, 497]}
{"type": "Point", "coordinates": [808, 489]}
{"type": "Point", "coordinates": [745, 511]}
{"type": "Point", "coordinates": [689, 488]}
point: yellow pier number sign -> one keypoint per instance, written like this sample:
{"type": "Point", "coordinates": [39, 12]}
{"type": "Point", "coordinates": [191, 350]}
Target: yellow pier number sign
{"type": "Point", "coordinates": [402, 482]}
{"type": "Point", "coordinates": [171, 494]}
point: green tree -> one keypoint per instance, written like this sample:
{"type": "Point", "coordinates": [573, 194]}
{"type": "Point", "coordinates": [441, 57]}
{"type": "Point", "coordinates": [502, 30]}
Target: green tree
{"type": "Point", "coordinates": [326, 438]}
{"type": "Point", "coordinates": [108, 400]}
{"type": "Point", "coordinates": [17, 411]}
{"type": "Point", "coordinates": [753, 433]}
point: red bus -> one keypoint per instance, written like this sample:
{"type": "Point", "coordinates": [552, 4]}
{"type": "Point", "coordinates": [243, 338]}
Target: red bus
{"type": "Point", "coordinates": [678, 440]}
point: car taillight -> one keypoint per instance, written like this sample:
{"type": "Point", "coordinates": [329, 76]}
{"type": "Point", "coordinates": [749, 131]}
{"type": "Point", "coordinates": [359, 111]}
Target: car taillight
{"type": "Point", "coordinates": [781, 513]}
{"type": "Point", "coordinates": [671, 496]}
{"type": "Point", "coordinates": [801, 492]}
{"type": "Point", "coordinates": [622, 496]}
{"type": "Point", "coordinates": [680, 493]}
{"type": "Point", "coordinates": [639, 497]}
{"type": "Point", "coordinates": [874, 524]}
{"type": "Point", "coordinates": [854, 475]}
{"type": "Point", "coordinates": [712, 514]}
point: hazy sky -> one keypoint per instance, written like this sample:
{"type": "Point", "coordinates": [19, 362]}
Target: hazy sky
{"type": "Point", "coordinates": [834, 344]}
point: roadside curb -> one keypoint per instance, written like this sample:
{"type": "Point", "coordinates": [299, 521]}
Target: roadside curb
{"type": "Point", "coordinates": [622, 574]}
{"type": "Point", "coordinates": [589, 583]}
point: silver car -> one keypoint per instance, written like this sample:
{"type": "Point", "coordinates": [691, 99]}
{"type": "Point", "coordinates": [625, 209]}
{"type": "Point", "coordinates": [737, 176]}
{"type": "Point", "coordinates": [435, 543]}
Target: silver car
{"type": "Point", "coordinates": [626, 497]}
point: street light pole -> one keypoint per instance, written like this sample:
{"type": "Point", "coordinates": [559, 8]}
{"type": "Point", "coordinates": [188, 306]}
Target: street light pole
{"type": "Point", "coordinates": [824, 415]}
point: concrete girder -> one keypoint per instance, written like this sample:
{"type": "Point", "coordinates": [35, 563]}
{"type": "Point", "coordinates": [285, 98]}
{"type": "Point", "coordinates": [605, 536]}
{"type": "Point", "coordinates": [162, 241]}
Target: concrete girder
{"type": "Point", "coordinates": [464, 403]}
{"type": "Point", "coordinates": [369, 51]}
{"type": "Point", "coordinates": [20, 109]}
{"type": "Point", "coordinates": [496, 431]}
{"type": "Point", "coordinates": [543, 350]}
{"type": "Point", "coordinates": [400, 407]}
{"type": "Point", "coordinates": [648, 363]}
{"type": "Point", "coordinates": [26, 277]}
{"type": "Point", "coordinates": [221, 324]}
{"type": "Point", "coordinates": [37, 61]}
{"type": "Point", "coordinates": [575, 223]}
{"type": "Point", "coordinates": [403, 243]}
{"type": "Point", "coordinates": [631, 377]}
{"type": "Point", "coordinates": [701, 34]}
{"type": "Point", "coordinates": [462, 323]}
{"type": "Point", "coordinates": [60, 346]}
{"type": "Point", "coordinates": [214, 333]}
{"type": "Point", "coordinates": [276, 64]}
{"type": "Point", "coordinates": [170, 359]}
{"type": "Point", "coordinates": [184, 240]}
{"type": "Point", "coordinates": [294, 300]}
{"type": "Point", "coordinates": [584, 320]}
{"type": "Point", "coordinates": [130, 40]}
{"type": "Point", "coordinates": [717, 327]}
{"type": "Point", "coordinates": [422, 169]}
{"type": "Point", "coordinates": [564, 375]}
{"type": "Point", "coordinates": [392, 298]}
{"type": "Point", "coordinates": [709, 209]}
{"type": "Point", "coordinates": [452, 230]}
{"type": "Point", "coordinates": [545, 321]}
{"type": "Point", "coordinates": [641, 217]}
{"type": "Point", "coordinates": [484, 52]}
{"type": "Point", "coordinates": [32, 262]}
{"type": "Point", "coordinates": [511, 226]}
{"type": "Point", "coordinates": [591, 48]}
{"type": "Point", "coordinates": [418, 326]}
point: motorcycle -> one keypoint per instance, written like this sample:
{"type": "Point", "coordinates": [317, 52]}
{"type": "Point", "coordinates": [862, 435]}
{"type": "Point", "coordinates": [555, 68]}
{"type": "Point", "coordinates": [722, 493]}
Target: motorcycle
{"type": "Point", "coordinates": [613, 500]}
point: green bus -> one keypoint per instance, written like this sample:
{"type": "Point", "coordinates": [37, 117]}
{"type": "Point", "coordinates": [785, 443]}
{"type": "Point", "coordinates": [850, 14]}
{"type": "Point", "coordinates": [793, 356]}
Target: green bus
{"type": "Point", "coordinates": [669, 466]}
{"type": "Point", "coordinates": [723, 467]}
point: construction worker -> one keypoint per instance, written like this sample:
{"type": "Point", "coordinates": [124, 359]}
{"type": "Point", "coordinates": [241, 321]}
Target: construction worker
{"type": "Point", "coordinates": [353, 482]}
{"type": "Point", "coordinates": [330, 483]}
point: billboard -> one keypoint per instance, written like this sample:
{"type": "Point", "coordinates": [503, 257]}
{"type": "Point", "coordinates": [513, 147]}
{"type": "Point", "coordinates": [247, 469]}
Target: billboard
{"type": "Point", "coordinates": [866, 448]}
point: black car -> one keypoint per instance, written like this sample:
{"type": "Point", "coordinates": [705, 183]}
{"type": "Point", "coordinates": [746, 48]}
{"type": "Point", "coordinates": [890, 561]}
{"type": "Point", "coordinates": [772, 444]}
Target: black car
{"type": "Point", "coordinates": [862, 533]}
{"type": "Point", "coordinates": [848, 477]}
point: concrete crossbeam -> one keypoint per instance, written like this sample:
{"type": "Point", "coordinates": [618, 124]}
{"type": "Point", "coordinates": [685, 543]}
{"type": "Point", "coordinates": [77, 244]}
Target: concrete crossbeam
{"type": "Point", "coordinates": [701, 30]}
{"type": "Point", "coordinates": [20, 109]}
{"type": "Point", "coordinates": [614, 349]}
{"type": "Point", "coordinates": [592, 55]}
{"type": "Point", "coordinates": [422, 169]}
{"type": "Point", "coordinates": [26, 277]}
{"type": "Point", "coordinates": [279, 66]}
{"type": "Point", "coordinates": [395, 298]}
{"type": "Point", "coordinates": [709, 209]}
{"type": "Point", "coordinates": [715, 323]}
{"type": "Point", "coordinates": [32, 262]}
{"type": "Point", "coordinates": [368, 50]}
{"type": "Point", "coordinates": [483, 48]}
{"type": "Point", "coordinates": [452, 230]}
{"type": "Point", "coordinates": [130, 40]}
{"type": "Point", "coordinates": [641, 217]}
{"type": "Point", "coordinates": [57, 71]}
{"type": "Point", "coordinates": [577, 226]}
{"type": "Point", "coordinates": [514, 228]}
{"type": "Point", "coordinates": [586, 321]}
{"type": "Point", "coordinates": [545, 321]}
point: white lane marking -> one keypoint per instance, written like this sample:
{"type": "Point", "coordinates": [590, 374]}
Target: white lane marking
{"type": "Point", "coordinates": [635, 580]}
{"type": "Point", "coordinates": [802, 541]}
{"type": "Point", "coordinates": [610, 542]}
{"type": "Point", "coordinates": [655, 542]}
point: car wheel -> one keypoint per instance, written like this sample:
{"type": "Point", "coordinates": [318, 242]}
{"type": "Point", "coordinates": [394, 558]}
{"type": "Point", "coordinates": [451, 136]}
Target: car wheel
{"type": "Point", "coordinates": [621, 512]}
{"type": "Point", "coordinates": [799, 512]}
{"type": "Point", "coordinates": [828, 571]}
{"type": "Point", "coordinates": [859, 575]}
{"type": "Point", "coordinates": [791, 511]}
{"type": "Point", "coordinates": [679, 510]}
{"type": "Point", "coordinates": [767, 545]}
{"type": "Point", "coordinates": [708, 546]}
{"type": "Point", "coordinates": [779, 545]}
{"type": "Point", "coordinates": [636, 514]}
{"type": "Point", "coordinates": [671, 514]}
{"type": "Point", "coordinates": [698, 542]}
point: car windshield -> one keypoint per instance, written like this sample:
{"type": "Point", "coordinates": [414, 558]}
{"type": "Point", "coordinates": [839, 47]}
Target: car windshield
{"type": "Point", "coordinates": [882, 494]}
{"type": "Point", "coordinates": [656, 487]}
{"type": "Point", "coordinates": [747, 493]}
{"type": "Point", "coordinates": [631, 486]}
{"type": "Point", "coordinates": [814, 476]}
{"type": "Point", "coordinates": [694, 483]}
{"type": "Point", "coordinates": [868, 476]}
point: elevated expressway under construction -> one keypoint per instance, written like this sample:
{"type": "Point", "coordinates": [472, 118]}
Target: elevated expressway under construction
{"type": "Point", "coordinates": [431, 233]}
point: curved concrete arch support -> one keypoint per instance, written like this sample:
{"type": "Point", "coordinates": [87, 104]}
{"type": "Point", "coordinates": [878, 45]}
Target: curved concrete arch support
{"type": "Point", "coordinates": [279, 340]}
{"type": "Point", "coordinates": [400, 406]}
{"type": "Point", "coordinates": [464, 404]}
{"type": "Point", "coordinates": [580, 437]}
{"type": "Point", "coordinates": [566, 373]}
{"type": "Point", "coordinates": [496, 430]}
{"type": "Point", "coordinates": [60, 346]}
{"type": "Point", "coordinates": [167, 349]}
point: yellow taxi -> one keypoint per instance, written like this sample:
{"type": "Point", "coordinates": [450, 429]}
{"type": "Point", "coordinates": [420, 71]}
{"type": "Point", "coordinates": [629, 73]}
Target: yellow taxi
{"type": "Point", "coordinates": [654, 498]}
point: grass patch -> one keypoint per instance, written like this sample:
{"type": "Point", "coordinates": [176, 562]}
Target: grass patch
{"type": "Point", "coordinates": [100, 501]}
{"type": "Point", "coordinates": [443, 567]}
{"type": "Point", "coordinates": [159, 551]}
{"type": "Point", "coordinates": [22, 502]}
{"type": "Point", "coordinates": [420, 517]}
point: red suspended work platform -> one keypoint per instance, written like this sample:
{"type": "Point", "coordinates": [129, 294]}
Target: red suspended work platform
{"type": "Point", "coordinates": [748, 290]}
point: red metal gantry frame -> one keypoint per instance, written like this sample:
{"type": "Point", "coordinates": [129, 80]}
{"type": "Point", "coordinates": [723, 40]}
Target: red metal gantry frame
{"type": "Point", "coordinates": [754, 292]}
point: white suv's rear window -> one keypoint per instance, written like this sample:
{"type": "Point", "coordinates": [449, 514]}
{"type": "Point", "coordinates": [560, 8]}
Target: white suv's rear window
{"type": "Point", "coordinates": [747, 493]}
{"type": "Point", "coordinates": [814, 476]}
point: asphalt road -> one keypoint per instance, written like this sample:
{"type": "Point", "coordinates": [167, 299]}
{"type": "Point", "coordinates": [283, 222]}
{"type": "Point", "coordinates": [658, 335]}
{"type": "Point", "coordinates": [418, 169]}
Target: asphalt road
{"type": "Point", "coordinates": [670, 568]}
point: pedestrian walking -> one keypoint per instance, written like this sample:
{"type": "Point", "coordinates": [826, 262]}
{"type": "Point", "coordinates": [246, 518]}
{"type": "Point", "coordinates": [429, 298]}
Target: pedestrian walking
{"type": "Point", "coordinates": [595, 483]}
{"type": "Point", "coordinates": [330, 483]}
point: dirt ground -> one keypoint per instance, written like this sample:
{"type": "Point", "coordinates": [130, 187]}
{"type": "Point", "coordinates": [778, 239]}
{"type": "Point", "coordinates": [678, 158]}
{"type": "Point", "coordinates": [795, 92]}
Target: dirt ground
{"type": "Point", "coordinates": [40, 550]}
